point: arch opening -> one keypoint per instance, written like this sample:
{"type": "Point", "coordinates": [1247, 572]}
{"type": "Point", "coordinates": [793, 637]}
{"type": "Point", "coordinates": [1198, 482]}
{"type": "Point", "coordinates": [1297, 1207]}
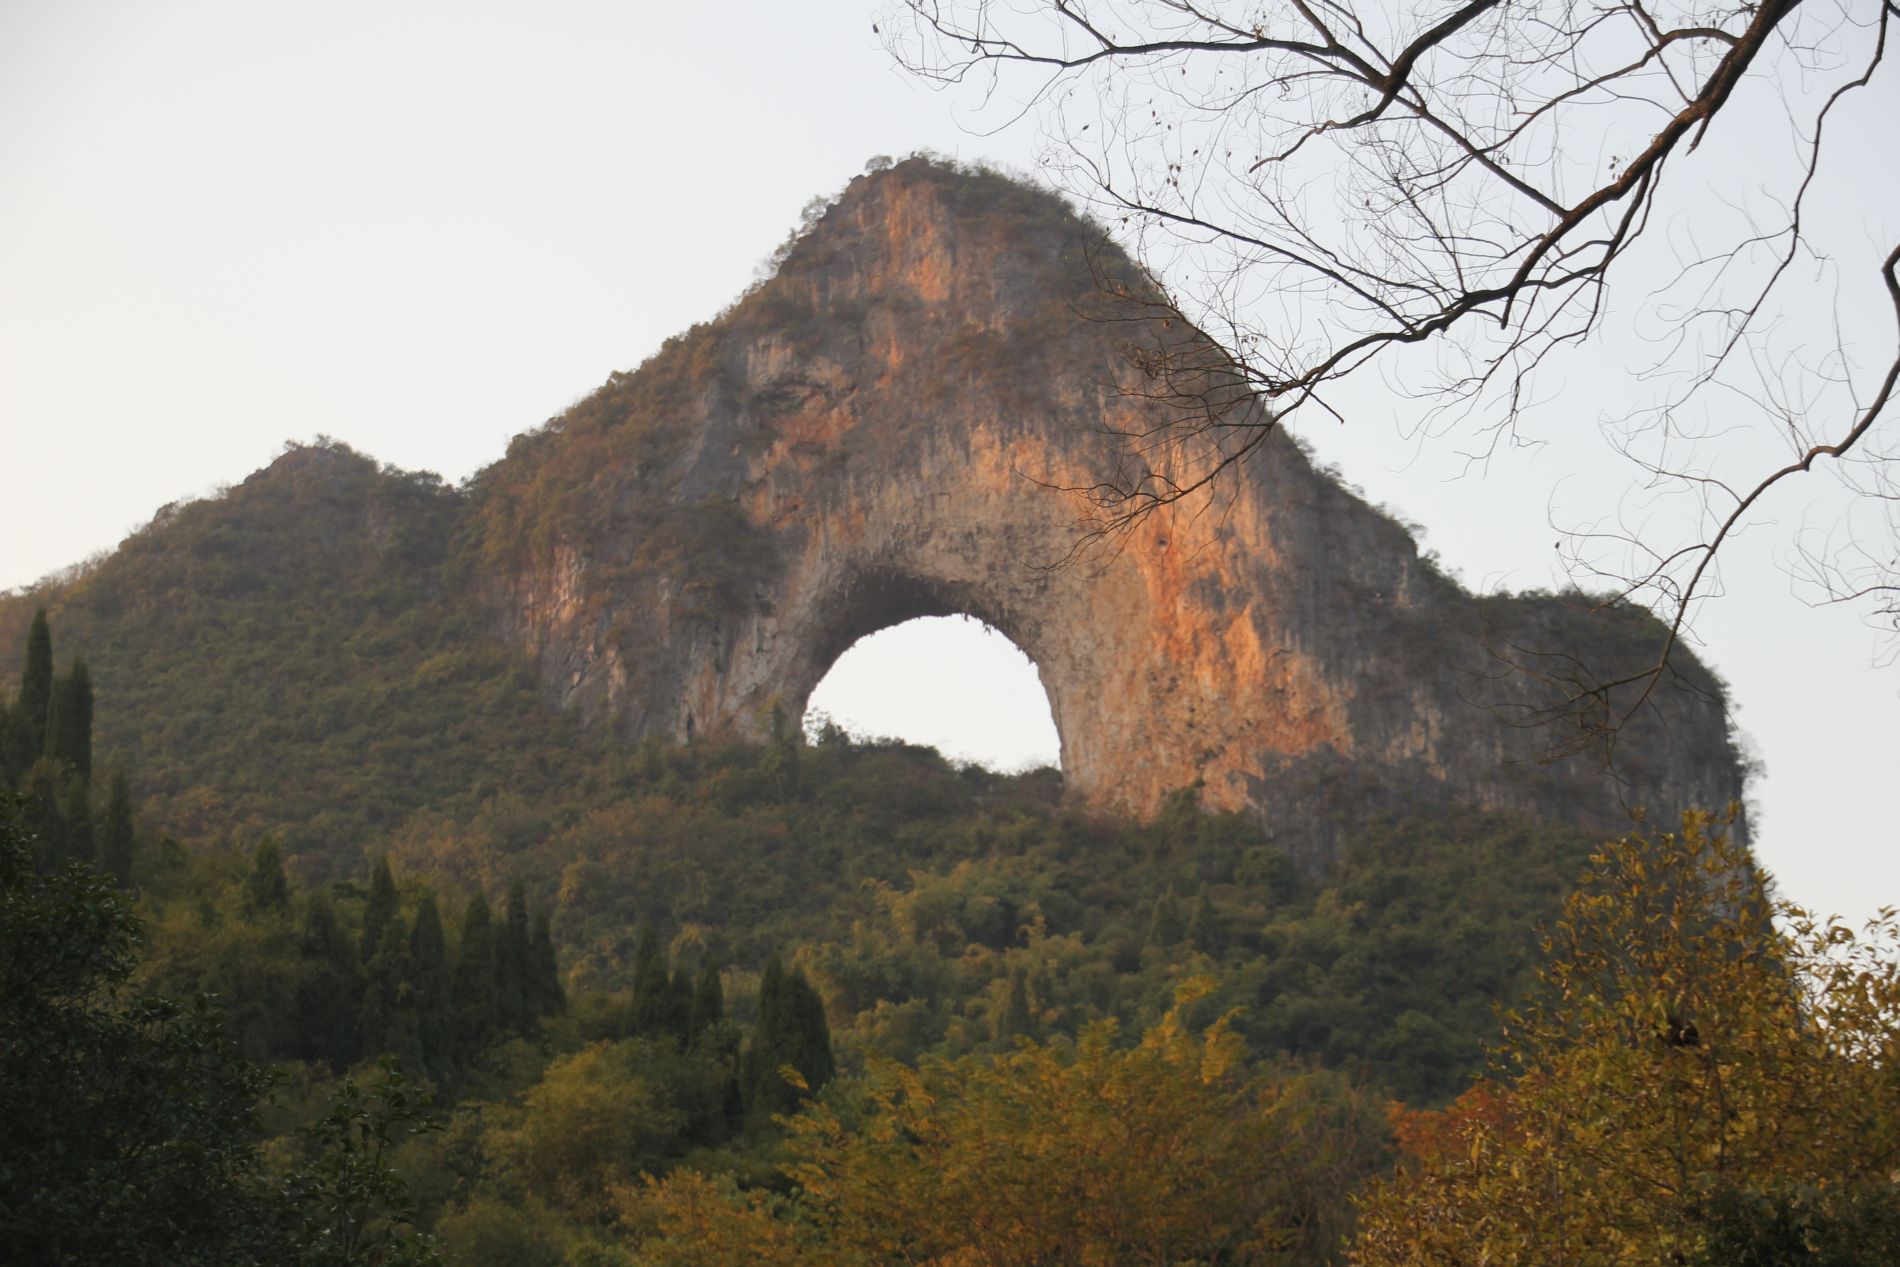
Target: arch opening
{"type": "Point", "coordinates": [953, 683]}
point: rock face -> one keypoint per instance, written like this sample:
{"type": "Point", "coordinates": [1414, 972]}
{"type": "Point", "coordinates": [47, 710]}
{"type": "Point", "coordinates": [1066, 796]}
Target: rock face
{"type": "Point", "coordinates": [881, 432]}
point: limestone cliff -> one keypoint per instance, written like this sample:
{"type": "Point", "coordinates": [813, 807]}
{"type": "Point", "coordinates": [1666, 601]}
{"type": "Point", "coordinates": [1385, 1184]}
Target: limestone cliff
{"type": "Point", "coordinates": [878, 432]}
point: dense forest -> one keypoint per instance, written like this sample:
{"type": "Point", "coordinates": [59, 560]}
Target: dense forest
{"type": "Point", "coordinates": [846, 1002]}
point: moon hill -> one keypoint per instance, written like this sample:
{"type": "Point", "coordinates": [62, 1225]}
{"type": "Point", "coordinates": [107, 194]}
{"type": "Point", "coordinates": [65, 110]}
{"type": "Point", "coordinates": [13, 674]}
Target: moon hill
{"type": "Point", "coordinates": [881, 430]}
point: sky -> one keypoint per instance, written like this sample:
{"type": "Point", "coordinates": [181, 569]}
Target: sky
{"type": "Point", "coordinates": [422, 228]}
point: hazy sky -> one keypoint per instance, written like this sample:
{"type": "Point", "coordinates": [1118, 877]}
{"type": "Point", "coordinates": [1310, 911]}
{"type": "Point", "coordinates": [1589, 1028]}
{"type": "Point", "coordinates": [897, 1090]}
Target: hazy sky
{"type": "Point", "coordinates": [422, 228]}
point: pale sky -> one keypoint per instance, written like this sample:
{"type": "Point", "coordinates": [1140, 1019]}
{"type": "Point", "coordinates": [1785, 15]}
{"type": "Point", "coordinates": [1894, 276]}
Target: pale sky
{"type": "Point", "coordinates": [422, 228]}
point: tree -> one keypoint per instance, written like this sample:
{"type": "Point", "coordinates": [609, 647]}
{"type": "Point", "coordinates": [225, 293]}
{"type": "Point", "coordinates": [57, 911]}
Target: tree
{"type": "Point", "coordinates": [546, 997]}
{"type": "Point", "coordinates": [792, 1034]}
{"type": "Point", "coordinates": [1169, 1151]}
{"type": "Point", "coordinates": [432, 980]}
{"type": "Point", "coordinates": [267, 889]}
{"type": "Point", "coordinates": [474, 990]}
{"type": "Point", "coordinates": [379, 907]}
{"type": "Point", "coordinates": [36, 684]}
{"type": "Point", "coordinates": [1452, 195]}
{"type": "Point", "coordinates": [69, 721]}
{"type": "Point", "coordinates": [329, 993]}
{"type": "Point", "coordinates": [1696, 1059]}
{"type": "Point", "coordinates": [356, 1208]}
{"type": "Point", "coordinates": [125, 1124]}
{"type": "Point", "coordinates": [709, 1001]}
{"type": "Point", "coordinates": [116, 842]}
{"type": "Point", "coordinates": [652, 999]}
{"type": "Point", "coordinates": [511, 961]}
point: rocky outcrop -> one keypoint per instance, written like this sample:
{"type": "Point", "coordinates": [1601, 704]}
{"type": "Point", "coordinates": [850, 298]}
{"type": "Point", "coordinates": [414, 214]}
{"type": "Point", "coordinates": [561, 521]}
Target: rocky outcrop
{"type": "Point", "coordinates": [882, 431]}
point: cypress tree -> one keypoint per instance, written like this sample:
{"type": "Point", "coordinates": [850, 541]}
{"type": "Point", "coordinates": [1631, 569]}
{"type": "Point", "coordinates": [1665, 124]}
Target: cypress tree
{"type": "Point", "coordinates": [266, 889]}
{"type": "Point", "coordinates": [1165, 928]}
{"type": "Point", "coordinates": [1204, 932]}
{"type": "Point", "coordinates": [473, 996]}
{"type": "Point", "coordinates": [115, 829]}
{"type": "Point", "coordinates": [329, 988]}
{"type": "Point", "coordinates": [1015, 1018]}
{"type": "Point", "coordinates": [379, 908]}
{"type": "Point", "coordinates": [36, 682]}
{"type": "Point", "coordinates": [39, 795]}
{"type": "Point", "coordinates": [431, 980]}
{"type": "Point", "coordinates": [807, 1033]}
{"type": "Point", "coordinates": [69, 720]}
{"type": "Point", "coordinates": [649, 985]}
{"type": "Point", "coordinates": [385, 995]}
{"type": "Point", "coordinates": [511, 962]}
{"type": "Point", "coordinates": [75, 816]}
{"type": "Point", "coordinates": [709, 1002]}
{"type": "Point", "coordinates": [792, 1031]}
{"type": "Point", "coordinates": [678, 1017]}
{"type": "Point", "coordinates": [546, 997]}
{"type": "Point", "coordinates": [16, 745]}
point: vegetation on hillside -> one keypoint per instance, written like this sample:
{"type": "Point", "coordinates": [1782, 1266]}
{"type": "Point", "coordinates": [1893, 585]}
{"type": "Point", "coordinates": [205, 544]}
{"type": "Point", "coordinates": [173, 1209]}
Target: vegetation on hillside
{"type": "Point", "coordinates": [846, 1003]}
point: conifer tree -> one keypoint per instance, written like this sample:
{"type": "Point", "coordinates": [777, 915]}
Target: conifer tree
{"type": "Point", "coordinates": [39, 810]}
{"type": "Point", "coordinates": [385, 996]}
{"type": "Point", "coordinates": [678, 1017]}
{"type": "Point", "coordinates": [69, 721]}
{"type": "Point", "coordinates": [511, 962]}
{"type": "Point", "coordinates": [75, 813]}
{"type": "Point", "coordinates": [115, 829]}
{"type": "Point", "coordinates": [709, 1001]}
{"type": "Point", "coordinates": [329, 988]}
{"type": "Point", "coordinates": [1016, 1018]}
{"type": "Point", "coordinates": [546, 997]}
{"type": "Point", "coordinates": [792, 1031]}
{"type": "Point", "coordinates": [1166, 928]}
{"type": "Point", "coordinates": [431, 980]}
{"type": "Point", "coordinates": [379, 908]}
{"type": "Point", "coordinates": [36, 682]}
{"type": "Point", "coordinates": [266, 890]}
{"type": "Point", "coordinates": [1204, 932]}
{"type": "Point", "coordinates": [16, 745]}
{"type": "Point", "coordinates": [649, 985]}
{"type": "Point", "coordinates": [474, 992]}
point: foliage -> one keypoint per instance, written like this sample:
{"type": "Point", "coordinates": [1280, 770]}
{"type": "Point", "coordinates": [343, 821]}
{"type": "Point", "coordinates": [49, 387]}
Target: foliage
{"type": "Point", "coordinates": [125, 1126]}
{"type": "Point", "coordinates": [1698, 1062]}
{"type": "Point", "coordinates": [356, 1208]}
{"type": "Point", "coordinates": [1170, 1151]}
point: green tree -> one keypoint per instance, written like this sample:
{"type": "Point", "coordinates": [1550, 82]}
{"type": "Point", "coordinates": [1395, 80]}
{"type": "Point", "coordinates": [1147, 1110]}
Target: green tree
{"type": "Point", "coordinates": [650, 986]}
{"type": "Point", "coordinates": [69, 721]}
{"type": "Point", "coordinates": [115, 835]}
{"type": "Point", "coordinates": [792, 1034]}
{"type": "Point", "coordinates": [267, 889]}
{"type": "Point", "coordinates": [379, 907]}
{"type": "Point", "coordinates": [75, 814]}
{"type": "Point", "coordinates": [709, 1001]}
{"type": "Point", "coordinates": [1015, 1018]}
{"type": "Point", "coordinates": [432, 981]}
{"type": "Point", "coordinates": [356, 1209]}
{"type": "Point", "coordinates": [546, 997]}
{"type": "Point", "coordinates": [329, 987]}
{"type": "Point", "coordinates": [511, 961]}
{"type": "Point", "coordinates": [36, 683]}
{"type": "Point", "coordinates": [388, 1021]}
{"type": "Point", "coordinates": [1166, 927]}
{"type": "Point", "coordinates": [474, 991]}
{"type": "Point", "coordinates": [1691, 1041]}
{"type": "Point", "coordinates": [125, 1125]}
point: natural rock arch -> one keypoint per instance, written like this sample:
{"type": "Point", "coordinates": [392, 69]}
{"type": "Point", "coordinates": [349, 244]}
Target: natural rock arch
{"type": "Point", "coordinates": [878, 432]}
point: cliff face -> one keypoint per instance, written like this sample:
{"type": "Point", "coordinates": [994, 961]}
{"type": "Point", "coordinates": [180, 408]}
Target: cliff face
{"type": "Point", "coordinates": [880, 431]}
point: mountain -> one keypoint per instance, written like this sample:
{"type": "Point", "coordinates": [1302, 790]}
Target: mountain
{"type": "Point", "coordinates": [883, 429]}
